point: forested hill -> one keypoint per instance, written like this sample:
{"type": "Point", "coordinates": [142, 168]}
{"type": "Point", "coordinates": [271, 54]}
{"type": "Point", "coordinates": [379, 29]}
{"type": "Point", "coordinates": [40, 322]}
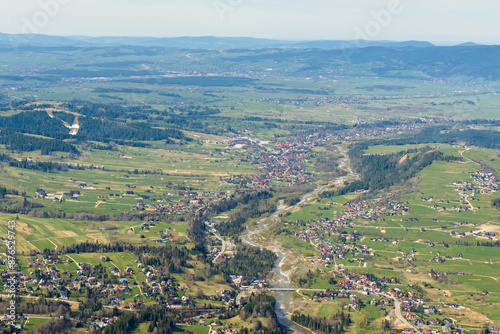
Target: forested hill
{"type": "Point", "coordinates": [96, 129]}
{"type": "Point", "coordinates": [383, 171]}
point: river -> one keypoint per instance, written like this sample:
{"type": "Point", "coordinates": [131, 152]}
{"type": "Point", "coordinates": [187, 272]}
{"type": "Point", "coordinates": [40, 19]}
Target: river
{"type": "Point", "coordinates": [284, 298]}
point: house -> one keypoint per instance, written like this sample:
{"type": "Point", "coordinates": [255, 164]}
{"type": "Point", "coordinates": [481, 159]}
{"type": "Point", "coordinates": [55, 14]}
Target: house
{"type": "Point", "coordinates": [41, 193]}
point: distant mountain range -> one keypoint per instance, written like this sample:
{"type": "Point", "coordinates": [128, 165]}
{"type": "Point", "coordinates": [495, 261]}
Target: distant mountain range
{"type": "Point", "coordinates": [208, 42]}
{"type": "Point", "coordinates": [384, 58]}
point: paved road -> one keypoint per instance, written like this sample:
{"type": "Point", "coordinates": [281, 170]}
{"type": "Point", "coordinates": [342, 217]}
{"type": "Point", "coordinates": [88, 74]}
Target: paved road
{"type": "Point", "coordinates": [397, 308]}
{"type": "Point", "coordinates": [223, 249]}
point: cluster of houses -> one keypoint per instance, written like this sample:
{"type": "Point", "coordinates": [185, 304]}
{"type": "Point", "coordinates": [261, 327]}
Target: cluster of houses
{"type": "Point", "coordinates": [486, 182]}
{"type": "Point", "coordinates": [482, 183]}
{"type": "Point", "coordinates": [284, 164]}
{"type": "Point", "coordinates": [309, 230]}
{"type": "Point", "coordinates": [413, 307]}
{"type": "Point", "coordinates": [59, 197]}
{"type": "Point", "coordinates": [45, 273]}
{"type": "Point", "coordinates": [189, 202]}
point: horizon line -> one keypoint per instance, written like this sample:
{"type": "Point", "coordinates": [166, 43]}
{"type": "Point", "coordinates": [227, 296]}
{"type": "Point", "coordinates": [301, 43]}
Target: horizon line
{"type": "Point", "coordinates": [298, 40]}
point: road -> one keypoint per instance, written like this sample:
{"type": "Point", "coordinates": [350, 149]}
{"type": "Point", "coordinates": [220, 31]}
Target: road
{"type": "Point", "coordinates": [223, 249]}
{"type": "Point", "coordinates": [399, 315]}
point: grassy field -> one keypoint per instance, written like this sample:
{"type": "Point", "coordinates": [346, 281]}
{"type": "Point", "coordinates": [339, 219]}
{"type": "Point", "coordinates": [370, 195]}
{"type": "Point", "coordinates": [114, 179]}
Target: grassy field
{"type": "Point", "coordinates": [33, 322]}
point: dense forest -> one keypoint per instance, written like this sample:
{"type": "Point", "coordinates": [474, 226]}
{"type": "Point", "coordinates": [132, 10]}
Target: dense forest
{"type": "Point", "coordinates": [102, 129]}
{"type": "Point", "coordinates": [250, 261]}
{"type": "Point", "coordinates": [35, 122]}
{"type": "Point", "coordinates": [22, 143]}
{"type": "Point", "coordinates": [336, 324]}
{"type": "Point", "coordinates": [160, 322]}
{"type": "Point", "coordinates": [253, 205]}
{"type": "Point", "coordinates": [196, 233]}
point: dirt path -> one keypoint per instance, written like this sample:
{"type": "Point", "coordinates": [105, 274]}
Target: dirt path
{"type": "Point", "coordinates": [403, 159]}
{"type": "Point", "coordinates": [138, 285]}
{"type": "Point", "coordinates": [78, 264]}
{"type": "Point", "coordinates": [493, 278]}
{"type": "Point", "coordinates": [35, 247]}
{"type": "Point", "coordinates": [52, 243]}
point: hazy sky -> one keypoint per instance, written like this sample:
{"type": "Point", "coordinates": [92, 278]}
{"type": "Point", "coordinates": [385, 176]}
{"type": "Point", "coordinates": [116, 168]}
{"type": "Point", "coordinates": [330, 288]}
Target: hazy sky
{"type": "Point", "coordinates": [432, 20]}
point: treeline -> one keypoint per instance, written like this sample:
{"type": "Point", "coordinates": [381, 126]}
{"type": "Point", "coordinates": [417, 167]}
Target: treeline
{"type": "Point", "coordinates": [18, 205]}
{"type": "Point", "coordinates": [250, 261]}
{"type": "Point", "coordinates": [478, 243]}
{"type": "Point", "coordinates": [89, 216]}
{"type": "Point", "coordinates": [40, 306]}
{"type": "Point", "coordinates": [336, 324]}
{"type": "Point", "coordinates": [496, 203]}
{"type": "Point", "coordinates": [19, 142]}
{"type": "Point", "coordinates": [43, 166]}
{"type": "Point", "coordinates": [383, 171]}
{"type": "Point", "coordinates": [5, 191]}
{"type": "Point", "coordinates": [439, 134]}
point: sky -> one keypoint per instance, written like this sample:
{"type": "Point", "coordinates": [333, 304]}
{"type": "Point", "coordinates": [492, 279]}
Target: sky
{"type": "Point", "coordinates": [439, 21]}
